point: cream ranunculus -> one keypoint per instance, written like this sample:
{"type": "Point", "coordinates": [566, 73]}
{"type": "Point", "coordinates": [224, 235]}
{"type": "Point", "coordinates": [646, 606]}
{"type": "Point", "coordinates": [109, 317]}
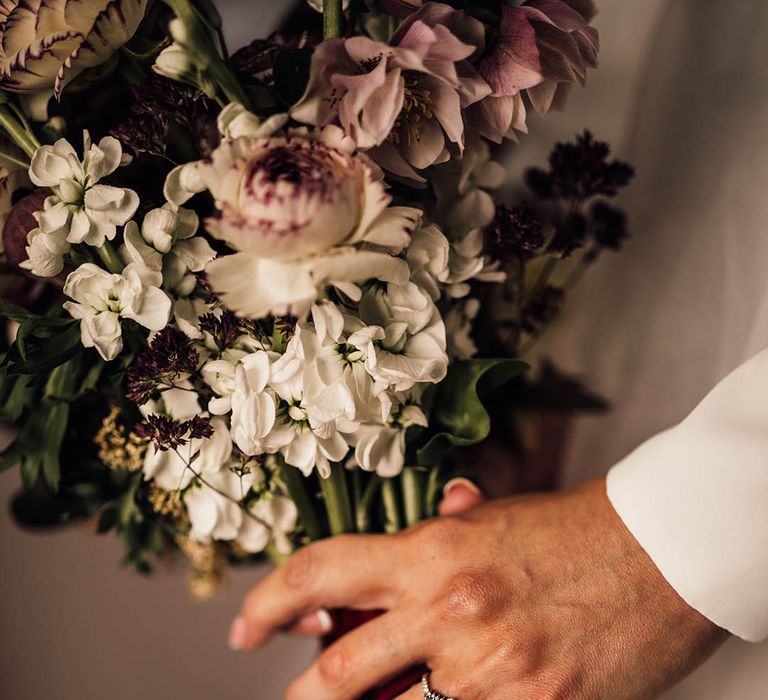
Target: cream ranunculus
{"type": "Point", "coordinates": [44, 45]}
{"type": "Point", "coordinates": [289, 197]}
{"type": "Point", "coordinates": [304, 211]}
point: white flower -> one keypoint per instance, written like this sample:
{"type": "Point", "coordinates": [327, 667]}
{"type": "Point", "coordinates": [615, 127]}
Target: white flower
{"type": "Point", "coordinates": [254, 409]}
{"type": "Point", "coordinates": [277, 513]}
{"type": "Point", "coordinates": [213, 505]}
{"type": "Point", "coordinates": [463, 202]}
{"type": "Point", "coordinates": [46, 44]}
{"type": "Point", "coordinates": [167, 243]}
{"type": "Point", "coordinates": [428, 255]}
{"type": "Point", "coordinates": [294, 207]}
{"type": "Point", "coordinates": [235, 121]}
{"type": "Point", "coordinates": [403, 360]}
{"type": "Point", "coordinates": [406, 334]}
{"type": "Point", "coordinates": [381, 448]}
{"type": "Point", "coordinates": [458, 328]}
{"type": "Point", "coordinates": [80, 208]}
{"type": "Point", "coordinates": [45, 253]}
{"type": "Point", "coordinates": [102, 299]}
{"type": "Point", "coordinates": [256, 287]}
{"type": "Point", "coordinates": [315, 405]}
{"type": "Point", "coordinates": [467, 262]}
{"type": "Point", "coordinates": [175, 469]}
{"type": "Point", "coordinates": [173, 62]}
{"type": "Point", "coordinates": [216, 512]}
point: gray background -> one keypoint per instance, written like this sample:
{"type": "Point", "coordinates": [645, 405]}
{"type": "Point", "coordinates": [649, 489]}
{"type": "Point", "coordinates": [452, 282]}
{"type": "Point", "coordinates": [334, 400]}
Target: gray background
{"type": "Point", "coordinates": [74, 625]}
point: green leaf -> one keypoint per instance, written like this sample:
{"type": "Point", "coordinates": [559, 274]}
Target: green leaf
{"type": "Point", "coordinates": [10, 457]}
{"type": "Point", "coordinates": [16, 396]}
{"type": "Point", "coordinates": [458, 412]}
{"type": "Point", "coordinates": [48, 352]}
{"type": "Point", "coordinates": [55, 429]}
{"type": "Point", "coordinates": [14, 312]}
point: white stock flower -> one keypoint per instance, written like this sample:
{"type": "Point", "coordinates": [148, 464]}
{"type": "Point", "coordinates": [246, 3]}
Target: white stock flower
{"type": "Point", "coordinates": [467, 262]}
{"type": "Point", "coordinates": [167, 243]}
{"type": "Point", "coordinates": [381, 448]}
{"type": "Point", "coordinates": [254, 408]}
{"type": "Point", "coordinates": [407, 345]}
{"type": "Point", "coordinates": [173, 62]}
{"type": "Point", "coordinates": [428, 256]}
{"type": "Point", "coordinates": [216, 512]}
{"type": "Point", "coordinates": [103, 299]}
{"type": "Point", "coordinates": [175, 469]}
{"type": "Point", "coordinates": [45, 253]}
{"type": "Point", "coordinates": [458, 328]}
{"type": "Point", "coordinates": [235, 121]}
{"type": "Point", "coordinates": [461, 187]}
{"type": "Point", "coordinates": [80, 208]}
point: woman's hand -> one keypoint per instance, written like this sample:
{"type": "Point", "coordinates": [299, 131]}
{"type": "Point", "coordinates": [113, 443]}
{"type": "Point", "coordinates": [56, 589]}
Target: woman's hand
{"type": "Point", "coordinates": [545, 596]}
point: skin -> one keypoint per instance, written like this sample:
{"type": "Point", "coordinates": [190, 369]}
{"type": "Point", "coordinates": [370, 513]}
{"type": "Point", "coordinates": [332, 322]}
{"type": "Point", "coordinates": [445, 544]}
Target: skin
{"type": "Point", "coordinates": [544, 596]}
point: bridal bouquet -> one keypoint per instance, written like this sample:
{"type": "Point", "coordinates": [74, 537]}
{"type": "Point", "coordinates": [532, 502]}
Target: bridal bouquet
{"type": "Point", "coordinates": [258, 299]}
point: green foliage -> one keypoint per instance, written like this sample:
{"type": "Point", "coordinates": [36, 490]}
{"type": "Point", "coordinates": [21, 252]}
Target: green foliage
{"type": "Point", "coordinates": [458, 414]}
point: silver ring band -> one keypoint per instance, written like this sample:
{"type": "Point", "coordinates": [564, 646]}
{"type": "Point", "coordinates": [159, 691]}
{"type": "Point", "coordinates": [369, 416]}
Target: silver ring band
{"type": "Point", "coordinates": [430, 694]}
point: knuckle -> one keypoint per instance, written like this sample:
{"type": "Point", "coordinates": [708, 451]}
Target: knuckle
{"type": "Point", "coordinates": [470, 595]}
{"type": "Point", "coordinates": [301, 569]}
{"type": "Point", "coordinates": [435, 538]}
{"type": "Point", "coordinates": [334, 666]}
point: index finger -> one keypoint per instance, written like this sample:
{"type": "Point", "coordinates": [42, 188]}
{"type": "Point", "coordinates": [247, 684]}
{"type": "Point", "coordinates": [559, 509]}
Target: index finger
{"type": "Point", "coordinates": [349, 571]}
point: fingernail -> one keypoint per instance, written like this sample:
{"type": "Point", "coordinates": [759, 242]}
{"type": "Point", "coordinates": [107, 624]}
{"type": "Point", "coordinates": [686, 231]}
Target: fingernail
{"type": "Point", "coordinates": [325, 620]}
{"type": "Point", "coordinates": [237, 634]}
{"type": "Point", "coordinates": [460, 481]}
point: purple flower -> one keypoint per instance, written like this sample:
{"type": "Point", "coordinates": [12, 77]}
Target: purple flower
{"type": "Point", "coordinates": [541, 47]}
{"type": "Point", "coordinates": [404, 100]}
{"type": "Point", "coordinates": [169, 355]}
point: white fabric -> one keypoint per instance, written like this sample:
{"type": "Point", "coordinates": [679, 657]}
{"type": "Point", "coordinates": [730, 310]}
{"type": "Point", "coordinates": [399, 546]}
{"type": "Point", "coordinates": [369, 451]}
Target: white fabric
{"type": "Point", "coordinates": [695, 498]}
{"type": "Point", "coordinates": [655, 328]}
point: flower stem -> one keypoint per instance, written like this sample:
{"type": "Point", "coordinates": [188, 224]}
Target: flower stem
{"type": "Point", "coordinates": [296, 485]}
{"type": "Point", "coordinates": [17, 133]}
{"type": "Point", "coordinates": [201, 50]}
{"type": "Point", "coordinates": [392, 519]}
{"type": "Point", "coordinates": [363, 510]}
{"type": "Point", "coordinates": [337, 503]}
{"type": "Point", "coordinates": [108, 255]}
{"type": "Point", "coordinates": [332, 14]}
{"type": "Point", "coordinates": [430, 498]}
{"type": "Point", "coordinates": [13, 159]}
{"type": "Point", "coordinates": [413, 495]}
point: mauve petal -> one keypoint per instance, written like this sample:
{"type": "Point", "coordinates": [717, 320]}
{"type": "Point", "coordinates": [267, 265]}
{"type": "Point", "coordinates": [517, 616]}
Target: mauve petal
{"type": "Point", "coordinates": [513, 63]}
{"type": "Point", "coordinates": [423, 151]}
{"type": "Point", "coordinates": [542, 96]}
{"type": "Point", "coordinates": [446, 107]}
{"type": "Point", "coordinates": [388, 157]}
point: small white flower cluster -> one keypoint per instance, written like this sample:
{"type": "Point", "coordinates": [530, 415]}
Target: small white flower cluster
{"type": "Point", "coordinates": [224, 499]}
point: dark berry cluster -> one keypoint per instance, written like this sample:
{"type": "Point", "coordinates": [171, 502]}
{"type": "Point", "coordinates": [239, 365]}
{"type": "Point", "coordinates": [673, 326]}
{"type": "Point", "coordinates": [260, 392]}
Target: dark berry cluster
{"type": "Point", "coordinates": [167, 433]}
{"type": "Point", "coordinates": [169, 355]}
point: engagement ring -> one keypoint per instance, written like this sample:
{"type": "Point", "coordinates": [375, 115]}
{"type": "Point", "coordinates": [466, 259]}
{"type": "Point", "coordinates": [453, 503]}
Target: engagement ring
{"type": "Point", "coordinates": [430, 694]}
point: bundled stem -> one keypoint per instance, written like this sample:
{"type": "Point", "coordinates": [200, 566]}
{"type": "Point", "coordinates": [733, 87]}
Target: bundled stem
{"type": "Point", "coordinates": [413, 495]}
{"type": "Point", "coordinates": [296, 486]}
{"type": "Point", "coordinates": [337, 502]}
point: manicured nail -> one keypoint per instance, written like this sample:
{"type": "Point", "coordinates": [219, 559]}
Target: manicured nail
{"type": "Point", "coordinates": [460, 481]}
{"type": "Point", "coordinates": [325, 620]}
{"type": "Point", "coordinates": [237, 634]}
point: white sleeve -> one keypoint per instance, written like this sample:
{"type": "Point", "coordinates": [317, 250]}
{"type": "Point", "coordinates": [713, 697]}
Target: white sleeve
{"type": "Point", "coordinates": [696, 499]}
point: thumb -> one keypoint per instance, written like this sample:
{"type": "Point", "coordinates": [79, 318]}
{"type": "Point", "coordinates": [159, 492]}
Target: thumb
{"type": "Point", "coordinates": [459, 495]}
